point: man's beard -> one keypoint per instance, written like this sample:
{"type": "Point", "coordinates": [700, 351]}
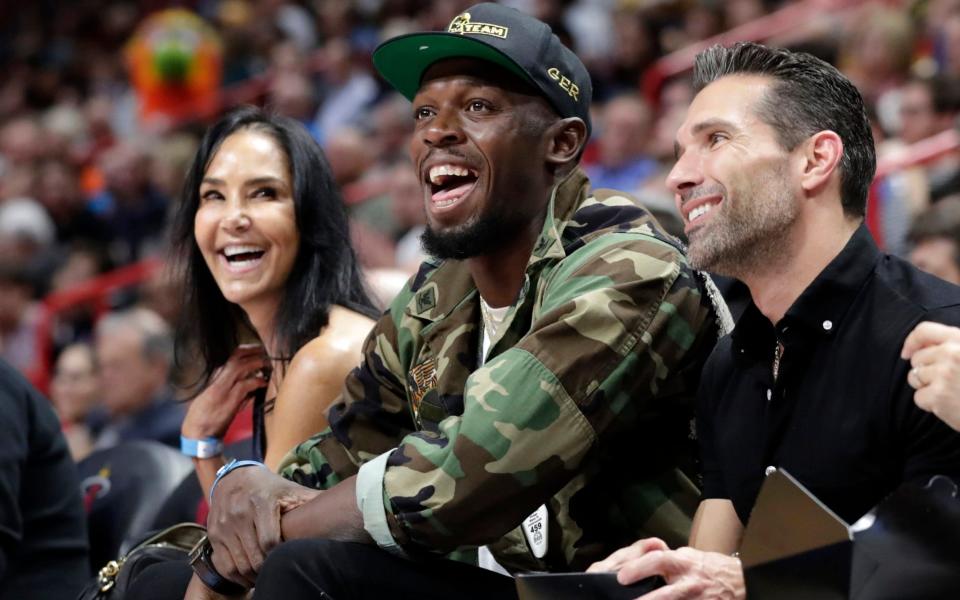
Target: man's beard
{"type": "Point", "coordinates": [481, 236]}
{"type": "Point", "coordinates": [750, 234]}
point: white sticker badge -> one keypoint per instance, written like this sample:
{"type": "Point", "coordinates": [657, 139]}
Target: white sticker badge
{"type": "Point", "coordinates": [535, 529]}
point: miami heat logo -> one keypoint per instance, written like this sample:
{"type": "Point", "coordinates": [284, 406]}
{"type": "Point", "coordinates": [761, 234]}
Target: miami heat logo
{"type": "Point", "coordinates": [95, 487]}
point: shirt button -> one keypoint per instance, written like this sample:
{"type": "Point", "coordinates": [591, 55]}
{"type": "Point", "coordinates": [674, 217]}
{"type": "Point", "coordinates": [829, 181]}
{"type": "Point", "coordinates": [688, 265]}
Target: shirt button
{"type": "Point", "coordinates": [770, 470]}
{"type": "Point", "coordinates": [769, 394]}
{"type": "Point", "coordinates": [827, 325]}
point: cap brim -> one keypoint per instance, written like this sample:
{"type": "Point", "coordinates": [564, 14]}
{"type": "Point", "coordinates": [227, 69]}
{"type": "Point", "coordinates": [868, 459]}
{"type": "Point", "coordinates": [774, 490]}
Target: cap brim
{"type": "Point", "coordinates": [402, 60]}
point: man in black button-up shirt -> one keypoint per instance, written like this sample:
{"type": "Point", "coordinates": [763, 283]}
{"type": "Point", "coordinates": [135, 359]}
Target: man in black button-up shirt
{"type": "Point", "coordinates": [774, 161]}
{"type": "Point", "coordinates": [840, 416]}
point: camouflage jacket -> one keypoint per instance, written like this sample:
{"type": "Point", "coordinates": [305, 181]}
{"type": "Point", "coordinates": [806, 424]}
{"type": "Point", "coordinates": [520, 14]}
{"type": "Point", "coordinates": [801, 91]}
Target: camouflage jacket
{"type": "Point", "coordinates": [583, 405]}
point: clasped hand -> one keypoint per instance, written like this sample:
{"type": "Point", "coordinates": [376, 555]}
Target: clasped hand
{"type": "Point", "coordinates": [244, 521]}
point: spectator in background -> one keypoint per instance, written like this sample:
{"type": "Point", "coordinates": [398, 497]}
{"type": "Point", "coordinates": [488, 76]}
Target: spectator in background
{"type": "Point", "coordinates": [134, 350]}
{"type": "Point", "coordinates": [294, 21]}
{"type": "Point", "coordinates": [391, 128]}
{"type": "Point", "coordinates": [741, 12]}
{"type": "Point", "coordinates": [162, 293]}
{"type": "Point", "coordinates": [406, 197]}
{"type": "Point", "coordinates": [18, 317]}
{"type": "Point", "coordinates": [130, 206]}
{"type": "Point", "coordinates": [347, 90]}
{"type": "Point", "coordinates": [43, 538]}
{"type": "Point", "coordinates": [66, 131]}
{"type": "Point", "coordinates": [701, 20]}
{"type": "Point", "coordinates": [928, 107]}
{"type": "Point", "coordinates": [625, 128]}
{"type": "Point", "coordinates": [292, 95]}
{"type": "Point", "coordinates": [79, 263]}
{"type": "Point", "coordinates": [21, 141]}
{"type": "Point", "coordinates": [26, 255]}
{"type": "Point", "coordinates": [27, 232]}
{"type": "Point", "coordinates": [59, 192]}
{"type": "Point", "coordinates": [636, 45]}
{"type": "Point", "coordinates": [372, 227]}
{"type": "Point", "coordinates": [239, 28]}
{"type": "Point", "coordinates": [875, 53]}
{"type": "Point", "coordinates": [946, 35]}
{"type": "Point", "coordinates": [935, 236]}
{"type": "Point", "coordinates": [350, 155]}
{"type": "Point", "coordinates": [675, 97]}
{"type": "Point", "coordinates": [75, 391]}
{"type": "Point", "coordinates": [169, 158]}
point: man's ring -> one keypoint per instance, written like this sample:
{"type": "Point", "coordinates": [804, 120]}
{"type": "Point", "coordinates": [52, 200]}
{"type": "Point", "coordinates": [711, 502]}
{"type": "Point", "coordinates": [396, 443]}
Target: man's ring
{"type": "Point", "coordinates": [917, 378]}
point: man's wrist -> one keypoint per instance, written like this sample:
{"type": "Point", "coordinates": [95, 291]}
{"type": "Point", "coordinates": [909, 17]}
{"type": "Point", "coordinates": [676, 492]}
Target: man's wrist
{"type": "Point", "coordinates": [232, 466]}
{"type": "Point", "coordinates": [738, 585]}
{"type": "Point", "coordinates": [202, 565]}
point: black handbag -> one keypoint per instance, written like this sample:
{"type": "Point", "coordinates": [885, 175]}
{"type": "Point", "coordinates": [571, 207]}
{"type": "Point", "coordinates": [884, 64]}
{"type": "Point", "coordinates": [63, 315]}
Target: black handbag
{"type": "Point", "coordinates": [171, 544]}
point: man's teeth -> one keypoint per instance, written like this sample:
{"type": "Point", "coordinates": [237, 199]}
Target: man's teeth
{"type": "Point", "coordinates": [231, 251]}
{"type": "Point", "coordinates": [700, 211]}
{"type": "Point", "coordinates": [439, 173]}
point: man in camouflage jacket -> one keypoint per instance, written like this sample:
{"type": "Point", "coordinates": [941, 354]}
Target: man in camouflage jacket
{"type": "Point", "coordinates": [571, 435]}
{"type": "Point", "coordinates": [583, 403]}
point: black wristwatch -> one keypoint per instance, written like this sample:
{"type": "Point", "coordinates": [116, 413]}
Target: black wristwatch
{"type": "Point", "coordinates": [203, 566]}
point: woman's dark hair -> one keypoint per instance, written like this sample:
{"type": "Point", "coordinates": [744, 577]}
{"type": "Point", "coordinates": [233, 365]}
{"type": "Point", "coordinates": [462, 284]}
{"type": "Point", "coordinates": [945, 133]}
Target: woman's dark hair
{"type": "Point", "coordinates": [325, 271]}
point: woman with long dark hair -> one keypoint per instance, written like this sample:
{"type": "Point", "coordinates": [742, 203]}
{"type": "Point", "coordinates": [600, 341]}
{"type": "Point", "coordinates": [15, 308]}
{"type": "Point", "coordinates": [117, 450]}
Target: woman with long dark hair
{"type": "Point", "coordinates": [275, 306]}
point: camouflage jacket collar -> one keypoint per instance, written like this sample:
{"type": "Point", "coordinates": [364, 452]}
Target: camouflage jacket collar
{"type": "Point", "coordinates": [443, 285]}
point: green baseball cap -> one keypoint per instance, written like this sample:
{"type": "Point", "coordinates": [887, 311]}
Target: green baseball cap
{"type": "Point", "coordinates": [504, 36]}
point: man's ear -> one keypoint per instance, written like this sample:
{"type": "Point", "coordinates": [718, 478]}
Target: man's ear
{"type": "Point", "coordinates": [821, 158]}
{"type": "Point", "coordinates": [566, 137]}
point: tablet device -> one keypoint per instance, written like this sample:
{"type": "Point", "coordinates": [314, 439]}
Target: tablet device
{"type": "Point", "coordinates": [581, 586]}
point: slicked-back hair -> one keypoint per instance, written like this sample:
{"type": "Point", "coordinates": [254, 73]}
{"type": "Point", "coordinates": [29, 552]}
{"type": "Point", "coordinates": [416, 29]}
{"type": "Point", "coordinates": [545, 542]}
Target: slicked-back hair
{"type": "Point", "coordinates": [325, 271]}
{"type": "Point", "coordinates": [807, 95]}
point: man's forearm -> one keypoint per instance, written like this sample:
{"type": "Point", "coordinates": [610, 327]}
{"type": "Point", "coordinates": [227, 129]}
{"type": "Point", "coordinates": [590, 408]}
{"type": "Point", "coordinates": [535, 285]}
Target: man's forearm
{"type": "Point", "coordinates": [331, 515]}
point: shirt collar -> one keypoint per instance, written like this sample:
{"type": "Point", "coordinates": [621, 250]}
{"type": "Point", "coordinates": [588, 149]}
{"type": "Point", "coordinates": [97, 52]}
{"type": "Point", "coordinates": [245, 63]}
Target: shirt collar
{"type": "Point", "coordinates": [824, 304]}
{"type": "Point", "coordinates": [826, 301]}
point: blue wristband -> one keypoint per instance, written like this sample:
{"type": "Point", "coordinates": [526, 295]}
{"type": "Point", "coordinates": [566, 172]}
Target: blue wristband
{"type": "Point", "coordinates": [230, 466]}
{"type": "Point", "coordinates": [207, 447]}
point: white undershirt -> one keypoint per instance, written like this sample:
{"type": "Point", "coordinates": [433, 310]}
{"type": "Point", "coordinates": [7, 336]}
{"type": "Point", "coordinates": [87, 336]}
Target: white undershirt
{"type": "Point", "coordinates": [492, 320]}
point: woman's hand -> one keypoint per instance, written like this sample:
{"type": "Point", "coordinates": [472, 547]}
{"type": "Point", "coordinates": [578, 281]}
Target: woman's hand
{"type": "Point", "coordinates": [211, 413]}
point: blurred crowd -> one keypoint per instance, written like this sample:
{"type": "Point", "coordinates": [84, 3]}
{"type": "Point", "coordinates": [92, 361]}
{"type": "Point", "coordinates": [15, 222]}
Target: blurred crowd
{"type": "Point", "coordinates": [102, 104]}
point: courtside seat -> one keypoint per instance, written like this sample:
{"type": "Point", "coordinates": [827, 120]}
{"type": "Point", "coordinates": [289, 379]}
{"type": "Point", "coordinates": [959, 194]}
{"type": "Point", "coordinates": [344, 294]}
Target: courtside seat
{"type": "Point", "coordinates": [123, 489]}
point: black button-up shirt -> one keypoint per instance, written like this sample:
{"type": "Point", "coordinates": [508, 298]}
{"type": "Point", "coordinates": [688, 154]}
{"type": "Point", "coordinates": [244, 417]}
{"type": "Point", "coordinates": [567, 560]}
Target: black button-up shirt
{"type": "Point", "coordinates": [840, 416]}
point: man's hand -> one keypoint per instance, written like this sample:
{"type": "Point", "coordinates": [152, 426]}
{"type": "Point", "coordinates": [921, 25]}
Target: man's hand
{"type": "Point", "coordinates": [196, 590]}
{"type": "Point", "coordinates": [689, 573]}
{"type": "Point", "coordinates": [933, 350]}
{"type": "Point", "coordinates": [244, 521]}
{"type": "Point", "coordinates": [623, 556]}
